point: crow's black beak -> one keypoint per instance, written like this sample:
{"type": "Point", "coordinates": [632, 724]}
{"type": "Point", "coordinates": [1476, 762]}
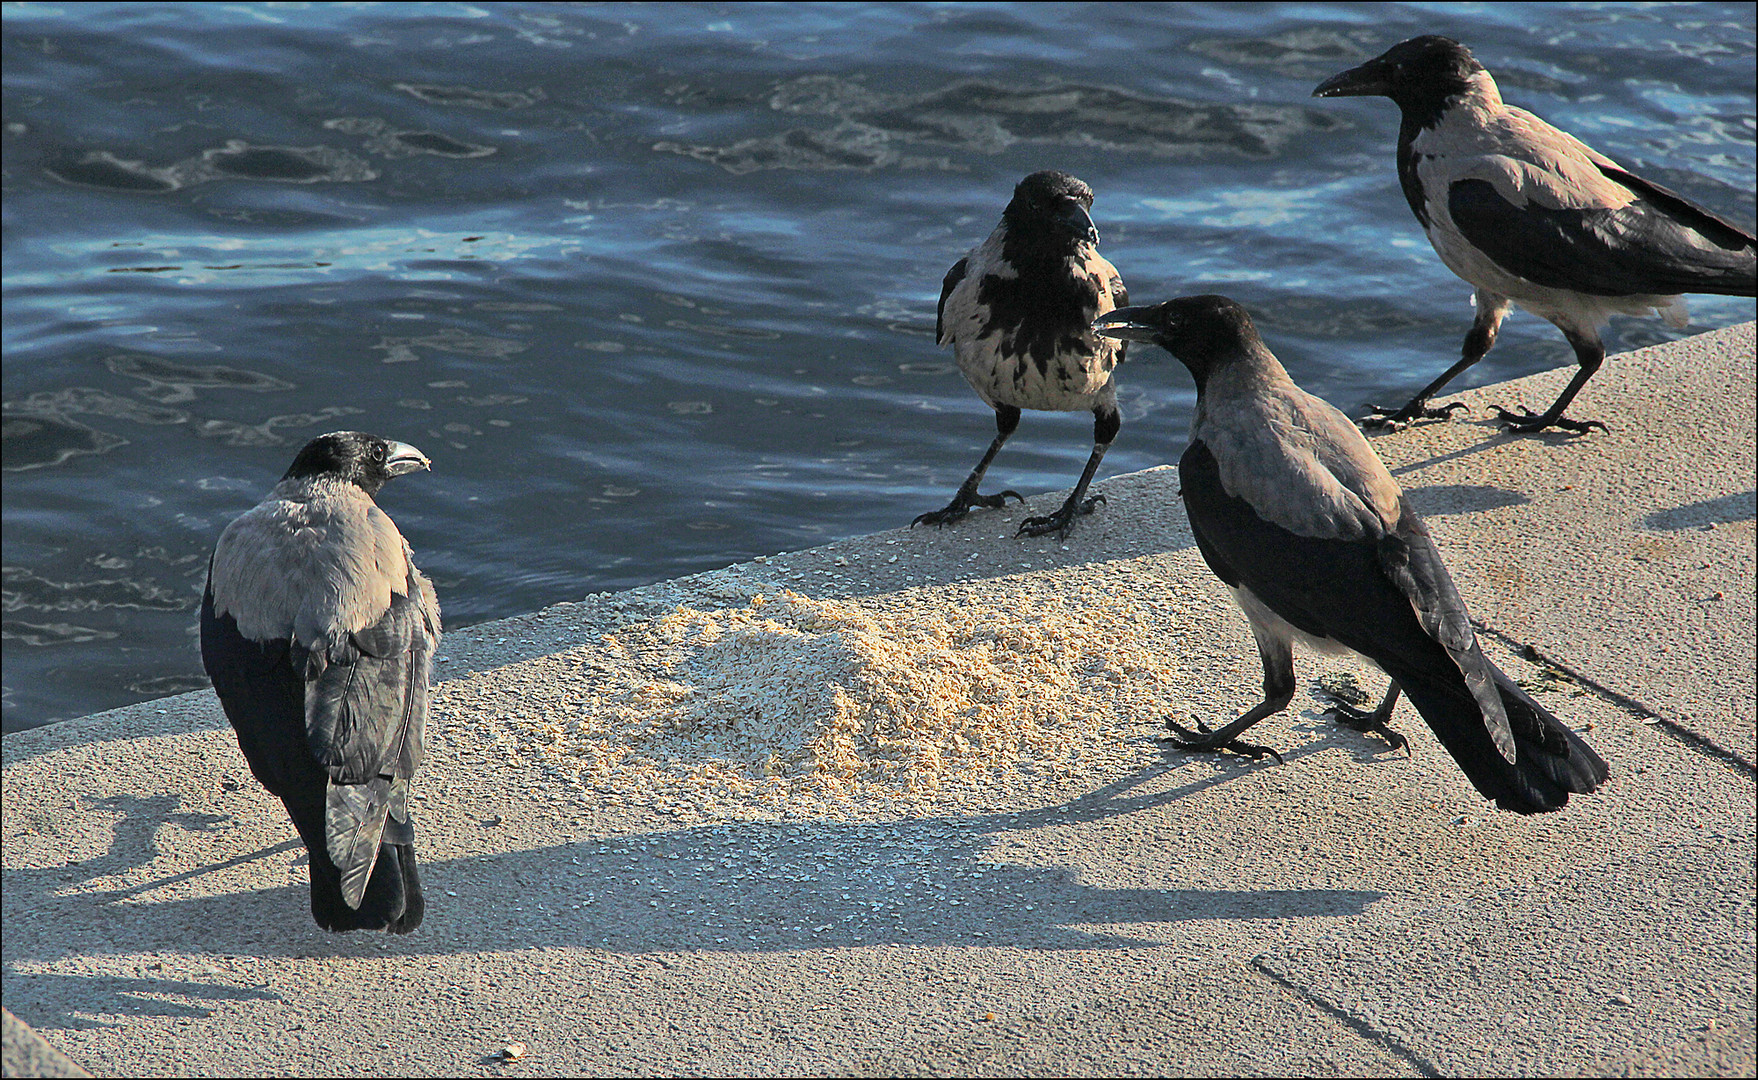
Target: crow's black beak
{"type": "Point", "coordinates": [403, 458]}
{"type": "Point", "coordinates": [1373, 77]}
{"type": "Point", "coordinates": [1072, 216]}
{"type": "Point", "coordinates": [1129, 324]}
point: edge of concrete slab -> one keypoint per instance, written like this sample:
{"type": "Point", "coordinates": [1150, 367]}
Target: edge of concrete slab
{"type": "Point", "coordinates": [26, 1053]}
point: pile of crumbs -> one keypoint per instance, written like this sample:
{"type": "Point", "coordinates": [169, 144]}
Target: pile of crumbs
{"type": "Point", "coordinates": [790, 697]}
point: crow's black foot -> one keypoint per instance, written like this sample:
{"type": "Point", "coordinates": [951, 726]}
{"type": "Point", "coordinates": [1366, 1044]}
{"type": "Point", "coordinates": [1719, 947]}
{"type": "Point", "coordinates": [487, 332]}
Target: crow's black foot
{"type": "Point", "coordinates": [1526, 422]}
{"type": "Point", "coordinates": [1059, 522]}
{"type": "Point", "coordinates": [1398, 419]}
{"type": "Point", "coordinates": [1203, 741]}
{"type": "Point", "coordinates": [961, 505]}
{"type": "Point", "coordinates": [1362, 720]}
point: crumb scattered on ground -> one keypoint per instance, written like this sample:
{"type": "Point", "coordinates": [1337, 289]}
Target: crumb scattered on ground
{"type": "Point", "coordinates": [849, 702]}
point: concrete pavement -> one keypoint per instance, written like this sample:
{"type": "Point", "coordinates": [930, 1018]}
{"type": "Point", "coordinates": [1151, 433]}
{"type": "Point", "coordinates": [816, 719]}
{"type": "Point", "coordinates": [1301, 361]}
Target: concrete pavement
{"type": "Point", "coordinates": [1080, 901]}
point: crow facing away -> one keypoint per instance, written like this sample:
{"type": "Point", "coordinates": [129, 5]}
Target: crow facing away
{"type": "Point", "coordinates": [1530, 215]}
{"type": "Point", "coordinates": [1018, 313]}
{"type": "Point", "coordinates": [1292, 509]}
{"type": "Point", "coordinates": [318, 633]}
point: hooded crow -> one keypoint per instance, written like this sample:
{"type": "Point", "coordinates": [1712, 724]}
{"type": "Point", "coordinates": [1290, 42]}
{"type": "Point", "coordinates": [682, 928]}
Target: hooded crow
{"type": "Point", "coordinates": [1018, 313]}
{"type": "Point", "coordinates": [318, 632]}
{"type": "Point", "coordinates": [1533, 216]}
{"type": "Point", "coordinates": [1292, 509]}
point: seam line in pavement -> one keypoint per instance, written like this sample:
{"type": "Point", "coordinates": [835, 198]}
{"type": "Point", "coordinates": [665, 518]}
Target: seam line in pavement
{"type": "Point", "coordinates": [1366, 1030]}
{"type": "Point", "coordinates": [1651, 716]}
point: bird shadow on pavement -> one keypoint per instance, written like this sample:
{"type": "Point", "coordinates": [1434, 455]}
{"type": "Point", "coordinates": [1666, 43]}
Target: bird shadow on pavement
{"type": "Point", "coordinates": [1490, 441]}
{"type": "Point", "coordinates": [44, 907]}
{"type": "Point", "coordinates": [1494, 436]}
{"type": "Point", "coordinates": [1723, 510]}
{"type": "Point", "coordinates": [1440, 500]}
{"type": "Point", "coordinates": [76, 1002]}
{"type": "Point", "coordinates": [717, 886]}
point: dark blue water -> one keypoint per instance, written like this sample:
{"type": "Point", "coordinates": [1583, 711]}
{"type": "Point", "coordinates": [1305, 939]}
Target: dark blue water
{"type": "Point", "coordinates": [655, 287]}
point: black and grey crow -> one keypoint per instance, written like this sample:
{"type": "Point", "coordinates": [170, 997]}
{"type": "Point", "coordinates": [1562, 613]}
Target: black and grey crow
{"type": "Point", "coordinates": [1531, 215]}
{"type": "Point", "coordinates": [1018, 313]}
{"type": "Point", "coordinates": [318, 633]}
{"type": "Point", "coordinates": [1293, 510]}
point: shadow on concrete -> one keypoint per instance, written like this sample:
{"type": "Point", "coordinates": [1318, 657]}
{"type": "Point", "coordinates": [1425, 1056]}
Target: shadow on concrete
{"type": "Point", "coordinates": [109, 995]}
{"type": "Point", "coordinates": [1494, 435]}
{"type": "Point", "coordinates": [715, 886]}
{"type": "Point", "coordinates": [1717, 511]}
{"type": "Point", "coordinates": [1440, 500]}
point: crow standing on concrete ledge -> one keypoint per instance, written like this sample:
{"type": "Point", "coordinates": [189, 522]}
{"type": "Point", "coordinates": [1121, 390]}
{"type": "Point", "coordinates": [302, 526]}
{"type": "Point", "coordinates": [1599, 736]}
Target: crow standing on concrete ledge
{"type": "Point", "coordinates": [1292, 509]}
{"type": "Point", "coordinates": [1018, 313]}
{"type": "Point", "coordinates": [318, 632]}
{"type": "Point", "coordinates": [1531, 215]}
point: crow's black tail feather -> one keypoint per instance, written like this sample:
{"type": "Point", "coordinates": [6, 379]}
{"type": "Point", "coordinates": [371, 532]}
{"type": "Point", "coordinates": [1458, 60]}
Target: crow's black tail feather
{"type": "Point", "coordinates": [1551, 763]}
{"type": "Point", "coordinates": [392, 901]}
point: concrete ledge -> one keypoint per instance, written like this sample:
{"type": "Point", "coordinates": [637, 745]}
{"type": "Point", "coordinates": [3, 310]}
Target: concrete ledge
{"type": "Point", "coordinates": [1092, 904]}
{"type": "Point", "coordinates": [26, 1054]}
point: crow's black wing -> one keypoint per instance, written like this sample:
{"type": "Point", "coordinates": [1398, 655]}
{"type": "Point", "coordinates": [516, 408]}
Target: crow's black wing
{"type": "Point", "coordinates": [1354, 592]}
{"type": "Point", "coordinates": [1657, 245]}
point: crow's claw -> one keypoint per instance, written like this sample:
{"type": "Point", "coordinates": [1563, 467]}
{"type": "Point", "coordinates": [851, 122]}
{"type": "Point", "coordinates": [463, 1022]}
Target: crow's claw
{"type": "Point", "coordinates": [961, 505]}
{"type": "Point", "coordinates": [1203, 741]}
{"type": "Point", "coordinates": [1527, 422]}
{"type": "Point", "coordinates": [1363, 720]}
{"type": "Point", "coordinates": [1059, 522]}
{"type": "Point", "coordinates": [1399, 419]}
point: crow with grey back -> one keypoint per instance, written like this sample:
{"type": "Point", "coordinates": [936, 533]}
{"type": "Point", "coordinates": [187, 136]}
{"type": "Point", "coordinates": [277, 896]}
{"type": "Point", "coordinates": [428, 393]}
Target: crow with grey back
{"type": "Point", "coordinates": [318, 633]}
{"type": "Point", "coordinates": [1293, 510]}
{"type": "Point", "coordinates": [1018, 313]}
{"type": "Point", "coordinates": [1530, 215]}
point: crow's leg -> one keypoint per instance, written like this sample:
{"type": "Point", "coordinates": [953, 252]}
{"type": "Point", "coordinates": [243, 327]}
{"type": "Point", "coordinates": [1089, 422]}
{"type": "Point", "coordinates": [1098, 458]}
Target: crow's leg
{"type": "Point", "coordinates": [1491, 309]}
{"type": "Point", "coordinates": [1362, 720]}
{"type": "Point", "coordinates": [1277, 654]}
{"type": "Point", "coordinates": [1006, 420]}
{"type": "Point", "coordinates": [1106, 423]}
{"type": "Point", "coordinates": [1589, 354]}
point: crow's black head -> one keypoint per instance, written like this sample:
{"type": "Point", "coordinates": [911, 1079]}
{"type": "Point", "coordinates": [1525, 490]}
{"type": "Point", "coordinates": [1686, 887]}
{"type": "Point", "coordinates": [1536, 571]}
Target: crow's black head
{"type": "Point", "coordinates": [365, 460]}
{"type": "Point", "coordinates": [1419, 75]}
{"type": "Point", "coordinates": [1052, 206]}
{"type": "Point", "coordinates": [1202, 331]}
